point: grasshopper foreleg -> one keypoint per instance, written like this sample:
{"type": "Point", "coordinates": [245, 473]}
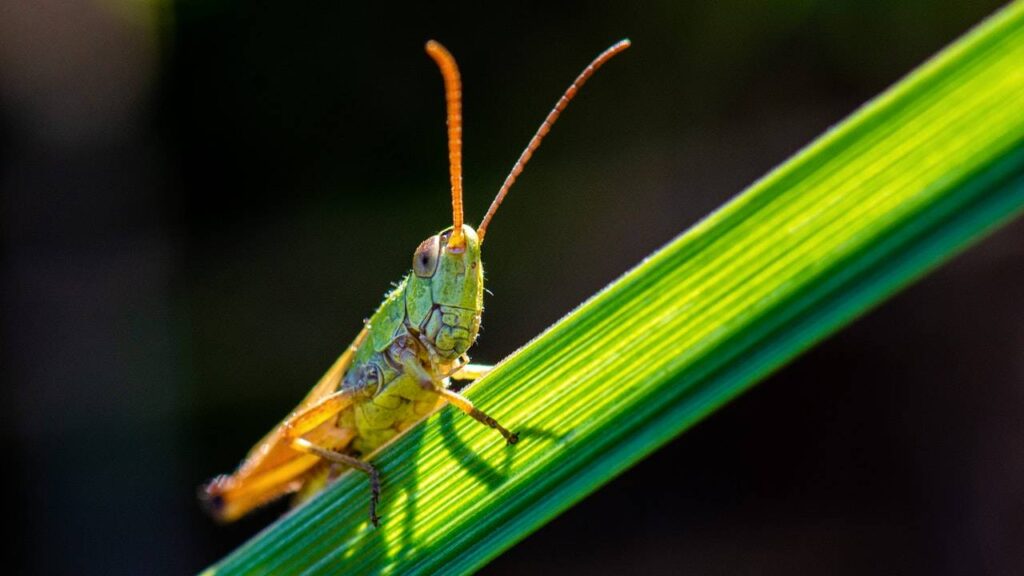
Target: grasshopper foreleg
{"type": "Point", "coordinates": [464, 404]}
{"type": "Point", "coordinates": [306, 446]}
{"type": "Point", "coordinates": [471, 372]}
{"type": "Point", "coordinates": [429, 382]}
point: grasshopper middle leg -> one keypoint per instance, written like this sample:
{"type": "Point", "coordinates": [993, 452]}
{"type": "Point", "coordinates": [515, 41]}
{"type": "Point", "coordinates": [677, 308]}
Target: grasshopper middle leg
{"type": "Point", "coordinates": [306, 446]}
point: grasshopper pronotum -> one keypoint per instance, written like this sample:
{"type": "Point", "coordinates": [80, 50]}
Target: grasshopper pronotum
{"type": "Point", "coordinates": [398, 368]}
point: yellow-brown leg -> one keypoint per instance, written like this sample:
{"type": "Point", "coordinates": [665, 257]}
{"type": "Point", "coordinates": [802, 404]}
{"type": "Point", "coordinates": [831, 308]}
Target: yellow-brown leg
{"type": "Point", "coordinates": [302, 422]}
{"type": "Point", "coordinates": [464, 404]}
{"type": "Point", "coordinates": [412, 366]}
{"type": "Point", "coordinates": [471, 372]}
{"type": "Point", "coordinates": [304, 445]}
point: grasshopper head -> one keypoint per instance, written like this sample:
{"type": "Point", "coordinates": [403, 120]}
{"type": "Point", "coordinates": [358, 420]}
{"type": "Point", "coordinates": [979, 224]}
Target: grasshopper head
{"type": "Point", "coordinates": [444, 298]}
{"type": "Point", "coordinates": [454, 272]}
{"type": "Point", "coordinates": [446, 291]}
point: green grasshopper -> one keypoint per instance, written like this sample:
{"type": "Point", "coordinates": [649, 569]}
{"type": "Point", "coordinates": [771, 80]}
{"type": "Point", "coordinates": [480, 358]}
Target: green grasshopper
{"type": "Point", "coordinates": [400, 365]}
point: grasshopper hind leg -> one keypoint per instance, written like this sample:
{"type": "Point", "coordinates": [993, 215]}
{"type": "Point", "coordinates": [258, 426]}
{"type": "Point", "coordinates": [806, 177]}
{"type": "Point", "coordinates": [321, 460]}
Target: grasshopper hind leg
{"type": "Point", "coordinates": [338, 458]}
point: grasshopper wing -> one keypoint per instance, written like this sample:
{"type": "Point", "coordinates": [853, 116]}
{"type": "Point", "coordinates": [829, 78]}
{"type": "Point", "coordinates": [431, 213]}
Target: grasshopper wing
{"type": "Point", "coordinates": [273, 467]}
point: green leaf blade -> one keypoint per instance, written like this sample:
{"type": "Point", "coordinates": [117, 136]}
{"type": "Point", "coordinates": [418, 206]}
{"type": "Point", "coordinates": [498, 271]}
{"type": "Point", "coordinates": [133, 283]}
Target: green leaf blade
{"type": "Point", "coordinates": [906, 182]}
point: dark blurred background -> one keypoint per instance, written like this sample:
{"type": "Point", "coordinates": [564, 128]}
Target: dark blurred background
{"type": "Point", "coordinates": [202, 200]}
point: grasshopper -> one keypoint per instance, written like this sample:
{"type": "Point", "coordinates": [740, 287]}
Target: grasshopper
{"type": "Point", "coordinates": [399, 367]}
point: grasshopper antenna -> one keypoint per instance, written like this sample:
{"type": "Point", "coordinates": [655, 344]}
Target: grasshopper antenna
{"type": "Point", "coordinates": [453, 98]}
{"type": "Point", "coordinates": [545, 127]}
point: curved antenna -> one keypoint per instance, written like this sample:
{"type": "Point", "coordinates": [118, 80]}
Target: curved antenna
{"type": "Point", "coordinates": [453, 98]}
{"type": "Point", "coordinates": [545, 127]}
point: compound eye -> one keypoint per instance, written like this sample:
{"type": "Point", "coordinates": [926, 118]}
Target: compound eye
{"type": "Point", "coordinates": [424, 261]}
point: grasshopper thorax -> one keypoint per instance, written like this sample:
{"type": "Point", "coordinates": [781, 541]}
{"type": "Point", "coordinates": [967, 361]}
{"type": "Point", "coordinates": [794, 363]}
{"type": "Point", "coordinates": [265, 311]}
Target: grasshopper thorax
{"type": "Point", "coordinates": [445, 293]}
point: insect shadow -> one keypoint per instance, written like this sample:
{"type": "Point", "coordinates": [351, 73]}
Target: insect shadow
{"type": "Point", "coordinates": [473, 463]}
{"type": "Point", "coordinates": [396, 540]}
